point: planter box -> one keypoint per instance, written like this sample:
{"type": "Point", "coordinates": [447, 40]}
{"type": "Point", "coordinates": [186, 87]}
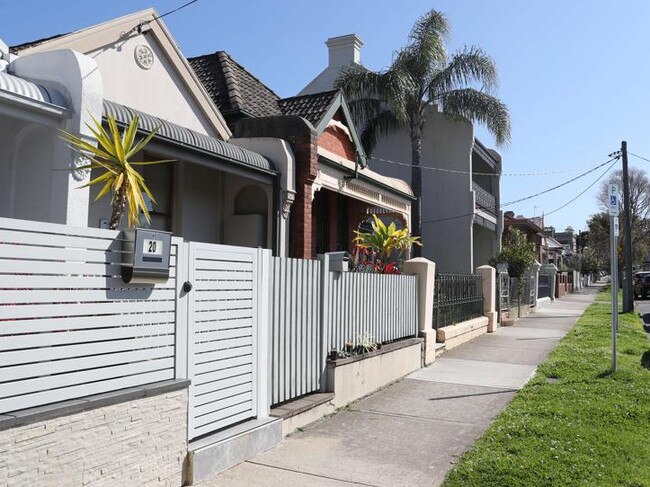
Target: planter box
{"type": "Point", "coordinates": [352, 378]}
{"type": "Point", "coordinates": [462, 332]}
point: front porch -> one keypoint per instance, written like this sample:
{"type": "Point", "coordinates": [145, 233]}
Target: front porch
{"type": "Point", "coordinates": [344, 199]}
{"type": "Point", "coordinates": [214, 192]}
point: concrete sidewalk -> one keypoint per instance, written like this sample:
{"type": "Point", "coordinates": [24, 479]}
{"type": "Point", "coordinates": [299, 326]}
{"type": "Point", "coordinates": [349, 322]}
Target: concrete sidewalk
{"type": "Point", "coordinates": [412, 432]}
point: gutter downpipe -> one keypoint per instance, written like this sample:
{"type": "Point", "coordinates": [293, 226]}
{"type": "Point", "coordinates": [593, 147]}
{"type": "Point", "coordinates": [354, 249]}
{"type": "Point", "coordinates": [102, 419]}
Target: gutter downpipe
{"type": "Point", "coordinates": [277, 210]}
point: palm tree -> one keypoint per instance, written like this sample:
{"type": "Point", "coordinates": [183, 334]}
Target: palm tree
{"type": "Point", "coordinates": [112, 157]}
{"type": "Point", "coordinates": [423, 74]}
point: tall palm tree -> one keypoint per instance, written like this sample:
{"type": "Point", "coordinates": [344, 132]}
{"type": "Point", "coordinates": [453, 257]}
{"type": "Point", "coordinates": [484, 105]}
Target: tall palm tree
{"type": "Point", "coordinates": [422, 74]}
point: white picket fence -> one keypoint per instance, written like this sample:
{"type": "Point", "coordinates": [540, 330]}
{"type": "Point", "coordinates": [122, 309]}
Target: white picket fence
{"type": "Point", "coordinates": [69, 326]}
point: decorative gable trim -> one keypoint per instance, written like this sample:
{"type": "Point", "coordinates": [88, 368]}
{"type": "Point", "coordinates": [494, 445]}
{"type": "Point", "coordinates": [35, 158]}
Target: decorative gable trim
{"type": "Point", "coordinates": [112, 31]}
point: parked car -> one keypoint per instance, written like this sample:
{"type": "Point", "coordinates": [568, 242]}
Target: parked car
{"type": "Point", "coordinates": [642, 285]}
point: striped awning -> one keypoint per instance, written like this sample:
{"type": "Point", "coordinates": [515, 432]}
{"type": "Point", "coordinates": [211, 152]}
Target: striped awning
{"type": "Point", "coordinates": [190, 138]}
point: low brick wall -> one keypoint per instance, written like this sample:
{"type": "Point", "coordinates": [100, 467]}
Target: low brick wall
{"type": "Point", "coordinates": [140, 442]}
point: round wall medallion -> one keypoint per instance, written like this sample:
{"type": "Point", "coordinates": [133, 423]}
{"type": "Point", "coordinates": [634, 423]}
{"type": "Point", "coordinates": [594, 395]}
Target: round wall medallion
{"type": "Point", "coordinates": [143, 56]}
{"type": "Point", "coordinates": [78, 162]}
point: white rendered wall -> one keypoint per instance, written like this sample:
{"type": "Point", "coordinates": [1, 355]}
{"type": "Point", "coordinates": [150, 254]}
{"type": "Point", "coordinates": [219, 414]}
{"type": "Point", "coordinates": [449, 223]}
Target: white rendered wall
{"type": "Point", "coordinates": [157, 91]}
{"type": "Point", "coordinates": [200, 198]}
{"type": "Point", "coordinates": [278, 151]}
{"type": "Point", "coordinates": [76, 76]}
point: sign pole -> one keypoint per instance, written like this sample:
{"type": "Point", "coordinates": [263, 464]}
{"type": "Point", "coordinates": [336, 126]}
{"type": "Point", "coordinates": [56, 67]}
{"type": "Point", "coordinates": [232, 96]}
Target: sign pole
{"type": "Point", "coordinates": [613, 232]}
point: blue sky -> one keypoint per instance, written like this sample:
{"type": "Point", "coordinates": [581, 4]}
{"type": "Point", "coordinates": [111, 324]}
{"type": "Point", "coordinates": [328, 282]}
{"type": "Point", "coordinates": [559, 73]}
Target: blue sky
{"type": "Point", "coordinates": [573, 73]}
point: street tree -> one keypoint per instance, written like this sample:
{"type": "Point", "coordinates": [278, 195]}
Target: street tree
{"type": "Point", "coordinates": [639, 209]}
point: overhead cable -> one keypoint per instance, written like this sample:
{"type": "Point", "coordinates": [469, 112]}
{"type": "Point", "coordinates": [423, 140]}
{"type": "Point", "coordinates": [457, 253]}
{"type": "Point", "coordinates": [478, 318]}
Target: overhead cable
{"type": "Point", "coordinates": [510, 203]}
{"type": "Point", "coordinates": [458, 171]}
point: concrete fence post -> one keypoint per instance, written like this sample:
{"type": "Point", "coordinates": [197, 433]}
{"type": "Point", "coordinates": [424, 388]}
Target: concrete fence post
{"type": "Point", "coordinates": [535, 267]}
{"type": "Point", "coordinates": [488, 273]}
{"type": "Point", "coordinates": [426, 272]}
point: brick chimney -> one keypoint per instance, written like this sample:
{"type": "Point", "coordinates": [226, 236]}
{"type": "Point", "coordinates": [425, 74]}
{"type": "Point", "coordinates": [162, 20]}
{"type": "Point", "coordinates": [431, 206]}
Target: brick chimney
{"type": "Point", "coordinates": [344, 50]}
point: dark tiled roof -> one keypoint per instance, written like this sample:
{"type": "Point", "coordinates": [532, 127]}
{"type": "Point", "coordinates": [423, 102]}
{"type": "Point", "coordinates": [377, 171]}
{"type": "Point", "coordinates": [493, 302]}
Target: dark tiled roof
{"type": "Point", "coordinates": [310, 107]}
{"type": "Point", "coordinates": [237, 93]}
{"type": "Point", "coordinates": [232, 88]}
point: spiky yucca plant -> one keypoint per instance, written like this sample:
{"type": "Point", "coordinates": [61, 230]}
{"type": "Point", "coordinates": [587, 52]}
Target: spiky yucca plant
{"type": "Point", "coordinates": [119, 178]}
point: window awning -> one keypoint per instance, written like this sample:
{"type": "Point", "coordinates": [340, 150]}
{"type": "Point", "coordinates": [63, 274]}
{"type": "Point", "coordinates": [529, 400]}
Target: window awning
{"type": "Point", "coordinates": [189, 138]}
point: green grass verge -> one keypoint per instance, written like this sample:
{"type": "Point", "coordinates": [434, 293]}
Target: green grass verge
{"type": "Point", "coordinates": [574, 423]}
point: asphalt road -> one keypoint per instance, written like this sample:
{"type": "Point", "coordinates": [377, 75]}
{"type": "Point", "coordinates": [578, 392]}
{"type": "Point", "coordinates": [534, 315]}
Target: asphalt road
{"type": "Point", "coordinates": [643, 308]}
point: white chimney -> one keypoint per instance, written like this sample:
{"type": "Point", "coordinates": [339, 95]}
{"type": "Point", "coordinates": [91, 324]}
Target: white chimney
{"type": "Point", "coordinates": [344, 50]}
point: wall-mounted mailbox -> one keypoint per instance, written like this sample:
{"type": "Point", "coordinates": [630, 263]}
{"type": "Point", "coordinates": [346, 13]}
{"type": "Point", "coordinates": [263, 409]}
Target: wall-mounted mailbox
{"type": "Point", "coordinates": [145, 256]}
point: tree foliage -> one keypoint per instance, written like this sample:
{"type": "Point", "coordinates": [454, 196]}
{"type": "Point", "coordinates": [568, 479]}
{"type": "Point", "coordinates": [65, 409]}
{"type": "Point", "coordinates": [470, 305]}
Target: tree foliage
{"type": "Point", "coordinates": [423, 74]}
{"type": "Point", "coordinates": [639, 214]}
{"type": "Point", "coordinates": [518, 252]}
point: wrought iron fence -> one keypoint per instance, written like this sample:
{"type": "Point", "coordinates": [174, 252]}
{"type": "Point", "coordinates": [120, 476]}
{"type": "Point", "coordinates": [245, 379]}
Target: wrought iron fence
{"type": "Point", "coordinates": [515, 293]}
{"type": "Point", "coordinates": [458, 297]}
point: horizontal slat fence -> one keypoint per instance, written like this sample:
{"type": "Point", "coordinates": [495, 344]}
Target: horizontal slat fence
{"type": "Point", "coordinates": [69, 326]}
{"type": "Point", "coordinates": [296, 333]}
{"type": "Point", "coordinates": [382, 308]}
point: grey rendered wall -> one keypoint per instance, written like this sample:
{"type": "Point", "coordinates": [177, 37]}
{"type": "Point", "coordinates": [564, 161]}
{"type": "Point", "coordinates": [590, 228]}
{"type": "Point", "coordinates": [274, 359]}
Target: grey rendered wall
{"type": "Point", "coordinates": [446, 144]}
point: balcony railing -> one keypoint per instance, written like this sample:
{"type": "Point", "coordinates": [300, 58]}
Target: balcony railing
{"type": "Point", "coordinates": [484, 199]}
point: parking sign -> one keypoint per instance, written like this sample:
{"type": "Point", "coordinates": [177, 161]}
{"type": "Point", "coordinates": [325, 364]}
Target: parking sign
{"type": "Point", "coordinates": [613, 199]}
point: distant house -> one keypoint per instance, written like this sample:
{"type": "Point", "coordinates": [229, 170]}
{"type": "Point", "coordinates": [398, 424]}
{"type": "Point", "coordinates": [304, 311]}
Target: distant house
{"type": "Point", "coordinates": [216, 192]}
{"type": "Point", "coordinates": [533, 228]}
{"type": "Point", "coordinates": [462, 221]}
{"type": "Point", "coordinates": [567, 238]}
{"type": "Point", "coordinates": [335, 190]}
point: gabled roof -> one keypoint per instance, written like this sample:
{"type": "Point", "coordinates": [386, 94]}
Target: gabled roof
{"type": "Point", "coordinates": [148, 22]}
{"type": "Point", "coordinates": [233, 88]}
{"type": "Point", "coordinates": [310, 107]}
{"type": "Point", "coordinates": [26, 45]}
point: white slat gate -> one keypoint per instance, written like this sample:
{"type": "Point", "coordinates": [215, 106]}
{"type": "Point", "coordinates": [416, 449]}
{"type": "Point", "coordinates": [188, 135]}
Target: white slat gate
{"type": "Point", "coordinates": [223, 311]}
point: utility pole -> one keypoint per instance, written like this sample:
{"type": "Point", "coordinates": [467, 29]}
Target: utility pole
{"type": "Point", "coordinates": [628, 292]}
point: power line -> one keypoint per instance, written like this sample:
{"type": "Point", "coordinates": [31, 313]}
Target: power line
{"type": "Point", "coordinates": [510, 203]}
{"type": "Point", "coordinates": [636, 155]}
{"type": "Point", "coordinates": [169, 12]}
{"type": "Point", "coordinates": [582, 192]}
{"type": "Point", "coordinates": [561, 184]}
{"type": "Point", "coordinates": [457, 171]}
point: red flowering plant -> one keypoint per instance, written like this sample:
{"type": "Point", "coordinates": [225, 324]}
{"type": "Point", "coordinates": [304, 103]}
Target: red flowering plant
{"type": "Point", "coordinates": [381, 250]}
